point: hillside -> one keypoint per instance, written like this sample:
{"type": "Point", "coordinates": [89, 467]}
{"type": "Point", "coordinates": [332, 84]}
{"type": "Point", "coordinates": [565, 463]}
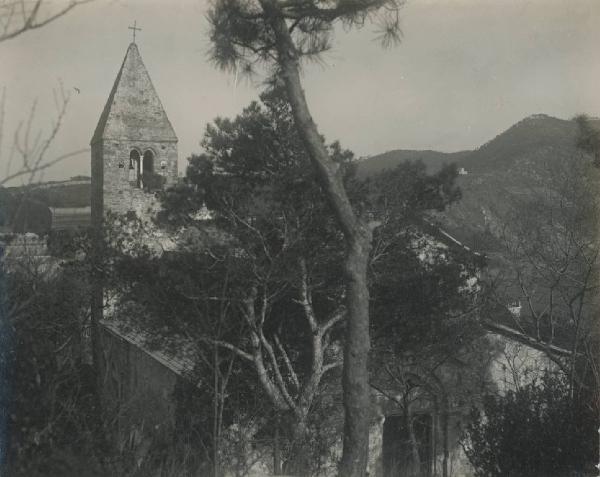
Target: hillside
{"type": "Point", "coordinates": [514, 164]}
{"type": "Point", "coordinates": [531, 140]}
{"type": "Point", "coordinates": [527, 144]}
{"type": "Point", "coordinates": [388, 160]}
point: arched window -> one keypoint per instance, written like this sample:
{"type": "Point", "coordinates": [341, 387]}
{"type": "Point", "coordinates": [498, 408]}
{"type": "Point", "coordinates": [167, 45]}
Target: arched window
{"type": "Point", "coordinates": [134, 168]}
{"type": "Point", "coordinates": [148, 165]}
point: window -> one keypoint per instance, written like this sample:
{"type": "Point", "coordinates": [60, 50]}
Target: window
{"type": "Point", "coordinates": [134, 169]}
{"type": "Point", "coordinates": [148, 165]}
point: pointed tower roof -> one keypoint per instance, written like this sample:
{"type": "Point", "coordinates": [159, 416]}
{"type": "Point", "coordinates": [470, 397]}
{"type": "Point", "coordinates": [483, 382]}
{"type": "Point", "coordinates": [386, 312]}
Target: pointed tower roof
{"type": "Point", "coordinates": [133, 110]}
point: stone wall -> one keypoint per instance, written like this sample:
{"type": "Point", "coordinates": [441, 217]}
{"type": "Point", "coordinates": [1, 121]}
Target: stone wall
{"type": "Point", "coordinates": [136, 390]}
{"type": "Point", "coordinates": [111, 186]}
{"type": "Point", "coordinates": [518, 365]}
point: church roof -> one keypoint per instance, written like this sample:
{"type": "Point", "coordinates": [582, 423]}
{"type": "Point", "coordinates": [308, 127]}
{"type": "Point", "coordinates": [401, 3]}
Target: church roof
{"type": "Point", "coordinates": [133, 110]}
{"type": "Point", "coordinates": [179, 358]}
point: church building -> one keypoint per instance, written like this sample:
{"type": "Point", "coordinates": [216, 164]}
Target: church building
{"type": "Point", "coordinates": [134, 154]}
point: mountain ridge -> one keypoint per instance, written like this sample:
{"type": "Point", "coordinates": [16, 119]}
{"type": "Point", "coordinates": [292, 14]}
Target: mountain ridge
{"type": "Point", "coordinates": [530, 133]}
{"type": "Point", "coordinates": [526, 157]}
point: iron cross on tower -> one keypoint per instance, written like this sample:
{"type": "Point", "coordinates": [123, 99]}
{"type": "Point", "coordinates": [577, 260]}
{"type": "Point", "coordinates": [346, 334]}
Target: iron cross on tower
{"type": "Point", "coordinates": [134, 28]}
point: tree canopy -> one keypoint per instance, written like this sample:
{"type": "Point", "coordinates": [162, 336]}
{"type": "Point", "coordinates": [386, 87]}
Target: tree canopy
{"type": "Point", "coordinates": [259, 258]}
{"type": "Point", "coordinates": [281, 34]}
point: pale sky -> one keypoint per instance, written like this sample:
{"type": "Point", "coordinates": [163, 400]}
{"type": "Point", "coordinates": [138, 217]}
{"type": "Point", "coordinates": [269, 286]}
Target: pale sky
{"type": "Point", "coordinates": [465, 71]}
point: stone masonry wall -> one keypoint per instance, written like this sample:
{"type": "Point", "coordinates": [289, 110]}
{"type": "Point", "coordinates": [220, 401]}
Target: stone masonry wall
{"type": "Point", "coordinates": [110, 175]}
{"type": "Point", "coordinates": [136, 388]}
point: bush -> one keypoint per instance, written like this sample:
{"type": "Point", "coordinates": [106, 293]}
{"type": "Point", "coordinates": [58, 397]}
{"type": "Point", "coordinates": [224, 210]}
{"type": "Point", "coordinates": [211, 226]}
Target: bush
{"type": "Point", "coordinates": [538, 430]}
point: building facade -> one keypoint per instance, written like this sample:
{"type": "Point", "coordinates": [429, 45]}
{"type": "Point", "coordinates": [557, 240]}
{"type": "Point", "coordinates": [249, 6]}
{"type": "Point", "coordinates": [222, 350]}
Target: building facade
{"type": "Point", "coordinates": [134, 146]}
{"type": "Point", "coordinates": [134, 154]}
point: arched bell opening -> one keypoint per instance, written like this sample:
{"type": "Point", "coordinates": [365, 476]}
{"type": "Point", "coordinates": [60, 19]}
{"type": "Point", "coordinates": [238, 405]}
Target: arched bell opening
{"type": "Point", "coordinates": [148, 165]}
{"type": "Point", "coordinates": [152, 180]}
{"type": "Point", "coordinates": [134, 168]}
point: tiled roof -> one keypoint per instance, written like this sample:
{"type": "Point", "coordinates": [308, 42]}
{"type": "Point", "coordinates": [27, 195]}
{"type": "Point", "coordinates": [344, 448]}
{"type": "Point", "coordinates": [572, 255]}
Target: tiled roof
{"type": "Point", "coordinates": [177, 354]}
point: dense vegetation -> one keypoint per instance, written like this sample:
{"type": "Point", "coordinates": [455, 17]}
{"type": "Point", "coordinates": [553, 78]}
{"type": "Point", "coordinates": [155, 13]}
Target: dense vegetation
{"type": "Point", "coordinates": [537, 430]}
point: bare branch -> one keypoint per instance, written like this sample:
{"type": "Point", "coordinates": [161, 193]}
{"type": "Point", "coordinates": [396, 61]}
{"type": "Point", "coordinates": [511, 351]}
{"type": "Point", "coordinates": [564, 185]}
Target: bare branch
{"type": "Point", "coordinates": [337, 317]}
{"type": "Point", "coordinates": [288, 363]}
{"type": "Point", "coordinates": [30, 16]}
{"type": "Point", "coordinates": [41, 167]}
{"type": "Point", "coordinates": [277, 372]}
{"type": "Point", "coordinates": [333, 365]}
{"type": "Point", "coordinates": [33, 152]}
{"type": "Point", "coordinates": [223, 344]}
{"type": "Point", "coordinates": [306, 298]}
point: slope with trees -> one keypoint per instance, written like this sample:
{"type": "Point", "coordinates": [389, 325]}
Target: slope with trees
{"type": "Point", "coordinates": [548, 263]}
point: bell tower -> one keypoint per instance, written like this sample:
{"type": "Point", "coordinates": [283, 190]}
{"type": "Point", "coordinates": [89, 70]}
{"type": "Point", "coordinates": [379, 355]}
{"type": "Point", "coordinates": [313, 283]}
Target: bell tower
{"type": "Point", "coordinates": [134, 147]}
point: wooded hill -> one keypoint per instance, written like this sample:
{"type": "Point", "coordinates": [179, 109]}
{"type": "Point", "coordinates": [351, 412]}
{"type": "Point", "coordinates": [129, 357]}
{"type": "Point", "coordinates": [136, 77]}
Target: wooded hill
{"type": "Point", "coordinates": [525, 158]}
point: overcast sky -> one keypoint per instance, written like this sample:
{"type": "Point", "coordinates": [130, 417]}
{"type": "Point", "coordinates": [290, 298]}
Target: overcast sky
{"type": "Point", "coordinates": [465, 71]}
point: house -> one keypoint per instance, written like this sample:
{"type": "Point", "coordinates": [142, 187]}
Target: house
{"type": "Point", "coordinates": [428, 420]}
{"type": "Point", "coordinates": [419, 409]}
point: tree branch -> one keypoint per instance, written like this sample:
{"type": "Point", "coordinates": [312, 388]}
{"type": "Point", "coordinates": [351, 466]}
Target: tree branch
{"type": "Point", "coordinates": [224, 344]}
{"type": "Point", "coordinates": [306, 299]}
{"type": "Point", "coordinates": [330, 366]}
{"type": "Point", "coordinates": [30, 20]}
{"type": "Point", "coordinates": [278, 377]}
{"type": "Point", "coordinates": [288, 363]}
{"type": "Point", "coordinates": [337, 317]}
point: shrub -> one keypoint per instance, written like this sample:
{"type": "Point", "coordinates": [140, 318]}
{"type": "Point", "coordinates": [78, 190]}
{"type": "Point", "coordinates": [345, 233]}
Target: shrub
{"type": "Point", "coordinates": [539, 430]}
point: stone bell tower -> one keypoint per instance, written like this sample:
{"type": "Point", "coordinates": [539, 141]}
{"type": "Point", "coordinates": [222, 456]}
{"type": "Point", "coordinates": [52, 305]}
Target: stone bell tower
{"type": "Point", "coordinates": [134, 147]}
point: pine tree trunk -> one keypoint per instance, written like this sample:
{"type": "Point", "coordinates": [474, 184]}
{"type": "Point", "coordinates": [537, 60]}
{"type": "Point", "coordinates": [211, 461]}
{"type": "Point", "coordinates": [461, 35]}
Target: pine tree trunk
{"type": "Point", "coordinates": [357, 398]}
{"type": "Point", "coordinates": [358, 237]}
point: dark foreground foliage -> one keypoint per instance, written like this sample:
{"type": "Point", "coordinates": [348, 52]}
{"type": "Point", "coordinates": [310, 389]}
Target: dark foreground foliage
{"type": "Point", "coordinates": [539, 430]}
{"type": "Point", "coordinates": [49, 410]}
